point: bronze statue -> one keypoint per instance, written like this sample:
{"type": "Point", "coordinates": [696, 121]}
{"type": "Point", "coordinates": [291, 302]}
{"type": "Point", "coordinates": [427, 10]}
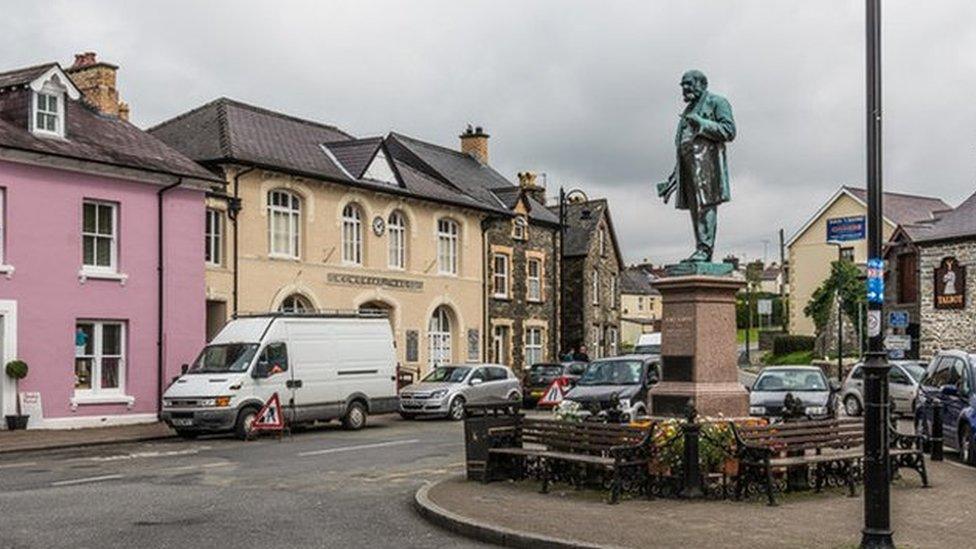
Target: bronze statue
{"type": "Point", "coordinates": [701, 175]}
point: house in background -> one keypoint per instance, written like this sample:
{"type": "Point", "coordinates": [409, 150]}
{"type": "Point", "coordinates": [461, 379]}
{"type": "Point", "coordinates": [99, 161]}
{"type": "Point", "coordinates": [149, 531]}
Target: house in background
{"type": "Point", "coordinates": [591, 266]}
{"type": "Point", "coordinates": [640, 303]}
{"type": "Point", "coordinates": [840, 226]}
{"type": "Point", "coordinates": [101, 262]}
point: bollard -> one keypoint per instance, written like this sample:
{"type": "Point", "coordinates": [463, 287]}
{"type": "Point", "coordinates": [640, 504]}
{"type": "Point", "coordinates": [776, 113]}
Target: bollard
{"type": "Point", "coordinates": [691, 485]}
{"type": "Point", "coordinates": [935, 439]}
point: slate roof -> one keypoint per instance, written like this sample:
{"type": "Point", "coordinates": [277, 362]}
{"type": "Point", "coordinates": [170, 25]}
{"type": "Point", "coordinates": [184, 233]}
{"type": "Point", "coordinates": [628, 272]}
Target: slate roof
{"type": "Point", "coordinates": [635, 280]}
{"type": "Point", "coordinates": [355, 154]}
{"type": "Point", "coordinates": [903, 209]}
{"type": "Point", "coordinates": [539, 212]}
{"type": "Point", "coordinates": [90, 136]}
{"type": "Point", "coordinates": [582, 219]}
{"type": "Point", "coordinates": [957, 223]}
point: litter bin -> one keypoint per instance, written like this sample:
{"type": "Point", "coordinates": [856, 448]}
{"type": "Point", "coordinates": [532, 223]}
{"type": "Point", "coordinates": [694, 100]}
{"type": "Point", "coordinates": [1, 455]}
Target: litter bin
{"type": "Point", "coordinates": [478, 419]}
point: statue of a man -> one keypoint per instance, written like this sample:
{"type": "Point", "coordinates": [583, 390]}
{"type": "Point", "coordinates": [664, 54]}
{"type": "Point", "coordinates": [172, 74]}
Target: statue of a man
{"type": "Point", "coordinates": [701, 174]}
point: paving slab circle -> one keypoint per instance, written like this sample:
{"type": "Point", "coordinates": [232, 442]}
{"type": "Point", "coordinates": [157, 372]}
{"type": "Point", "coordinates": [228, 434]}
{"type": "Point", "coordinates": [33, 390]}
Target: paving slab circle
{"type": "Point", "coordinates": [516, 515]}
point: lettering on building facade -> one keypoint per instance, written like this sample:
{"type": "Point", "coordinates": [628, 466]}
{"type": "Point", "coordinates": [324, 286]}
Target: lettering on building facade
{"type": "Point", "coordinates": [367, 280]}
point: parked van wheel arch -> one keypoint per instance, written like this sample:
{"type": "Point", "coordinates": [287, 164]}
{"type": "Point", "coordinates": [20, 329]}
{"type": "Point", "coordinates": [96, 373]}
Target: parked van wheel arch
{"type": "Point", "coordinates": [245, 418]}
{"type": "Point", "coordinates": [355, 417]}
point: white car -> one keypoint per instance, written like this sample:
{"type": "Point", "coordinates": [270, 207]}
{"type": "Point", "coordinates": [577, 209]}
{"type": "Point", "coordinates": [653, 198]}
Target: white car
{"type": "Point", "coordinates": [446, 389]}
{"type": "Point", "coordinates": [322, 367]}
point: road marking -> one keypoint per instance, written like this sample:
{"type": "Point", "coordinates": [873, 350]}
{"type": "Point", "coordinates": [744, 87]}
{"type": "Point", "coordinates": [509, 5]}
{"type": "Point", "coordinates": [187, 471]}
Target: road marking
{"type": "Point", "coordinates": [85, 480]}
{"type": "Point", "coordinates": [139, 455]}
{"type": "Point", "coordinates": [204, 466]}
{"type": "Point", "coordinates": [359, 447]}
{"type": "Point", "coordinates": [19, 464]}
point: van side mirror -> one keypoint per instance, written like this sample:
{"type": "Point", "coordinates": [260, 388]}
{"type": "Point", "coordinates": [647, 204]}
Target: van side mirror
{"type": "Point", "coordinates": [184, 368]}
{"type": "Point", "coordinates": [261, 370]}
{"type": "Point", "coordinates": [476, 381]}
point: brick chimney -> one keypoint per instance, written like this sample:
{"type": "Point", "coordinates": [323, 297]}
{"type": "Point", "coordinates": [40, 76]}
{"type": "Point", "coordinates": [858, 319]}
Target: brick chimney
{"type": "Point", "coordinates": [96, 80]}
{"type": "Point", "coordinates": [474, 141]}
{"type": "Point", "coordinates": [528, 181]}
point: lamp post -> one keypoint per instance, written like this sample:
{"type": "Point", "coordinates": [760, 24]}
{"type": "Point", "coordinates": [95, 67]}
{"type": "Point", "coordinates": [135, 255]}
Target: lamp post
{"type": "Point", "coordinates": [840, 317]}
{"type": "Point", "coordinates": [877, 511]}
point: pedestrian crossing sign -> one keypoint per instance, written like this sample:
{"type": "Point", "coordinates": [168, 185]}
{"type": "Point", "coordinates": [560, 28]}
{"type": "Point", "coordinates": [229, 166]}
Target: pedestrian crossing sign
{"type": "Point", "coordinates": [554, 395]}
{"type": "Point", "coordinates": [269, 418]}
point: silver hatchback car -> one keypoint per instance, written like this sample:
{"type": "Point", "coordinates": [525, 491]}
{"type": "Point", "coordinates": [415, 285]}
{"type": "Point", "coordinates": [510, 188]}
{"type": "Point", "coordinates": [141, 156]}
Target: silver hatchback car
{"type": "Point", "coordinates": [446, 389]}
{"type": "Point", "coordinates": [903, 379]}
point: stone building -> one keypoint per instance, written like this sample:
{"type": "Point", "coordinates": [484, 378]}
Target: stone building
{"type": "Point", "coordinates": [523, 277]}
{"type": "Point", "coordinates": [641, 307]}
{"type": "Point", "coordinates": [927, 279]}
{"type": "Point", "coordinates": [328, 221]}
{"type": "Point", "coordinates": [590, 308]}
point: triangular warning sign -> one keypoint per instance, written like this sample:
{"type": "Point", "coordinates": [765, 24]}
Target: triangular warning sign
{"type": "Point", "coordinates": [269, 418]}
{"type": "Point", "coordinates": [553, 396]}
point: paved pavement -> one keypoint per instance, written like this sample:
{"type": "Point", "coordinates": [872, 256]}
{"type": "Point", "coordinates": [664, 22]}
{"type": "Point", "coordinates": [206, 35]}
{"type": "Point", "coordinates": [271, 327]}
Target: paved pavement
{"type": "Point", "coordinates": [45, 439]}
{"type": "Point", "coordinates": [324, 488]}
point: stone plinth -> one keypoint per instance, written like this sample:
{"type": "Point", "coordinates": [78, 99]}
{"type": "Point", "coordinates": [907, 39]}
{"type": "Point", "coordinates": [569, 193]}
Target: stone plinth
{"type": "Point", "coordinates": [698, 347]}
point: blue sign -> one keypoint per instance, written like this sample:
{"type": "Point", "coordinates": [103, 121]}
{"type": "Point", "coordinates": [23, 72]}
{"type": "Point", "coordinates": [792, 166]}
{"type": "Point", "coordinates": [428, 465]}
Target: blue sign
{"type": "Point", "coordinates": [876, 285]}
{"type": "Point", "coordinates": [842, 229]}
{"type": "Point", "coordinates": [898, 319]}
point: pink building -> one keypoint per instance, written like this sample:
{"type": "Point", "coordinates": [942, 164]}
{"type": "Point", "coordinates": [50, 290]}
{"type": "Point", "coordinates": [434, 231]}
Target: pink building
{"type": "Point", "coordinates": [101, 308]}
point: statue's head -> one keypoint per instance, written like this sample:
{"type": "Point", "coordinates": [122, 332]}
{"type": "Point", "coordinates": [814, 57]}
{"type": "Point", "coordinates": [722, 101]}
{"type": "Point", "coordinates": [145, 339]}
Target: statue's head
{"type": "Point", "coordinates": [693, 85]}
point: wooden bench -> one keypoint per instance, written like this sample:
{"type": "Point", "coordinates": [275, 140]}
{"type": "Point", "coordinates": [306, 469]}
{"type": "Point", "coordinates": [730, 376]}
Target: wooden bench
{"type": "Point", "coordinates": [564, 450]}
{"type": "Point", "coordinates": [830, 447]}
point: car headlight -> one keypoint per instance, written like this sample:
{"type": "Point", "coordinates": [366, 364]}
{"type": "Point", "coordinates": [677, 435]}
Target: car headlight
{"type": "Point", "coordinates": [816, 410]}
{"type": "Point", "coordinates": [440, 393]}
{"type": "Point", "coordinates": [757, 410]}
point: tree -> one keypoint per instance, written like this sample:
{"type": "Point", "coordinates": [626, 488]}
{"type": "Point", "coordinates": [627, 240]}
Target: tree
{"type": "Point", "coordinates": [845, 279]}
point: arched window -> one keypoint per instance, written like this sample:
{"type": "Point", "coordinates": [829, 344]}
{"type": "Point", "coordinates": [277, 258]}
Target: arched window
{"type": "Point", "coordinates": [295, 303]}
{"type": "Point", "coordinates": [520, 228]}
{"type": "Point", "coordinates": [284, 223]}
{"type": "Point", "coordinates": [439, 337]}
{"type": "Point", "coordinates": [397, 227]}
{"type": "Point", "coordinates": [447, 246]}
{"type": "Point", "coordinates": [352, 235]}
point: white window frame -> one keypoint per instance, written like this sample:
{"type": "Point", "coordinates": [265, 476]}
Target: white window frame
{"type": "Point", "coordinates": [448, 232]}
{"type": "Point", "coordinates": [612, 336]}
{"type": "Point", "coordinates": [595, 287]}
{"type": "Point", "coordinates": [214, 237]}
{"type": "Point", "coordinates": [500, 333]}
{"type": "Point", "coordinates": [520, 228]}
{"type": "Point", "coordinates": [640, 303]}
{"type": "Point", "coordinates": [352, 234]}
{"type": "Point", "coordinates": [295, 303]}
{"type": "Point", "coordinates": [613, 290]}
{"type": "Point", "coordinates": [603, 241]}
{"type": "Point", "coordinates": [533, 289]}
{"type": "Point", "coordinates": [113, 238]}
{"type": "Point", "coordinates": [597, 348]}
{"type": "Point", "coordinates": [534, 352]}
{"type": "Point", "coordinates": [438, 339]}
{"type": "Point", "coordinates": [96, 391]}
{"type": "Point", "coordinates": [396, 226]}
{"type": "Point", "coordinates": [500, 277]}
{"type": "Point", "coordinates": [292, 211]}
{"type": "Point", "coordinates": [57, 115]}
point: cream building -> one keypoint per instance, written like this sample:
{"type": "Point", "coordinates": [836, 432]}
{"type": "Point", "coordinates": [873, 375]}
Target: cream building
{"type": "Point", "coordinates": [640, 305]}
{"type": "Point", "coordinates": [330, 222]}
{"type": "Point", "coordinates": [840, 226]}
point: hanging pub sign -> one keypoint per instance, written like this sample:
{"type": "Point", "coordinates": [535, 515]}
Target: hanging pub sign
{"type": "Point", "coordinates": [950, 284]}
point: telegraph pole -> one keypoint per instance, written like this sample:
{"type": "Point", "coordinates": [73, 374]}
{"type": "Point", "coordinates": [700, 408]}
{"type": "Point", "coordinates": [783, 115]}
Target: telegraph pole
{"type": "Point", "coordinates": [877, 505]}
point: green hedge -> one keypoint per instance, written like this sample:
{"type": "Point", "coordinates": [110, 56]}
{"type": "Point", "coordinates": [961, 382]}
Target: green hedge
{"type": "Point", "coordinates": [786, 344]}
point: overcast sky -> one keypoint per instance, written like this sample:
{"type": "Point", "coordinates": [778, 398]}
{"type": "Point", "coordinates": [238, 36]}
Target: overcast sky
{"type": "Point", "coordinates": [586, 92]}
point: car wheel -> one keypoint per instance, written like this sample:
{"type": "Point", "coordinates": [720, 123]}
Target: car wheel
{"type": "Point", "coordinates": [187, 435]}
{"type": "Point", "coordinates": [514, 396]}
{"type": "Point", "coordinates": [852, 406]}
{"type": "Point", "coordinates": [407, 416]}
{"type": "Point", "coordinates": [966, 453]}
{"type": "Point", "coordinates": [456, 410]}
{"type": "Point", "coordinates": [355, 418]}
{"type": "Point", "coordinates": [245, 419]}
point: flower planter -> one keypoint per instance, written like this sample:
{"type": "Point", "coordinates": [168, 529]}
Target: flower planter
{"type": "Point", "coordinates": [730, 467]}
{"type": "Point", "coordinates": [16, 422]}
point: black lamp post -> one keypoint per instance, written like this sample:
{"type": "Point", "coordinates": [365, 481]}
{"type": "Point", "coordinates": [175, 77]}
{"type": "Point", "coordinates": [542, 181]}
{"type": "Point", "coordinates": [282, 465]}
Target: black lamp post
{"type": "Point", "coordinates": [877, 511]}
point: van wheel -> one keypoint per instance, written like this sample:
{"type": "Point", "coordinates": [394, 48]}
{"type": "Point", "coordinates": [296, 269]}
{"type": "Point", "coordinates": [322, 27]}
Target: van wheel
{"type": "Point", "coordinates": [355, 418]}
{"type": "Point", "coordinates": [514, 396]}
{"type": "Point", "coordinates": [245, 419]}
{"type": "Point", "coordinates": [456, 411]}
{"type": "Point", "coordinates": [187, 435]}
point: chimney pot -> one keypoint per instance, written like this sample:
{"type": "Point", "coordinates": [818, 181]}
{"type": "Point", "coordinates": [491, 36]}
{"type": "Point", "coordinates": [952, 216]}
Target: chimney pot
{"type": "Point", "coordinates": [474, 141]}
{"type": "Point", "coordinates": [84, 59]}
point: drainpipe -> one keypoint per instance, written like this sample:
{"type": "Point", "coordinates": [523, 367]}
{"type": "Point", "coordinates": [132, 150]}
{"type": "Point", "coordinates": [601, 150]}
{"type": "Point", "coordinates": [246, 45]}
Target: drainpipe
{"type": "Point", "coordinates": [486, 326]}
{"type": "Point", "coordinates": [235, 207]}
{"type": "Point", "coordinates": [160, 295]}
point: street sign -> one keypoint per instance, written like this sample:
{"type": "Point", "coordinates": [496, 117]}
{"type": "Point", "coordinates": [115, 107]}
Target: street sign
{"type": "Point", "coordinates": [896, 354]}
{"type": "Point", "coordinates": [765, 306]}
{"type": "Point", "coordinates": [898, 342]}
{"type": "Point", "coordinates": [269, 418]}
{"type": "Point", "coordinates": [898, 319]}
{"type": "Point", "coordinates": [553, 396]}
{"type": "Point", "coordinates": [841, 229]}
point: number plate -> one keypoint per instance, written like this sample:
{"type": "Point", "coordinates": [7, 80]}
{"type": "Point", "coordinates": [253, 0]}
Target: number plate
{"type": "Point", "coordinates": [182, 422]}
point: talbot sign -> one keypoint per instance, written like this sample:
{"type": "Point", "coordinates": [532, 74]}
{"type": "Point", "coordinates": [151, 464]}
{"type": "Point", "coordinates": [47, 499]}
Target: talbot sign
{"type": "Point", "coordinates": [950, 285]}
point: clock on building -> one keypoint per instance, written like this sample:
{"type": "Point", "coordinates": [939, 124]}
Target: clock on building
{"type": "Point", "coordinates": [378, 226]}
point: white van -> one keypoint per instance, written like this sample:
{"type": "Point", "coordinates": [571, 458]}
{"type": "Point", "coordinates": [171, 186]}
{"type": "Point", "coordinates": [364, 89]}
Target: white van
{"type": "Point", "coordinates": [323, 367]}
{"type": "Point", "coordinates": [648, 344]}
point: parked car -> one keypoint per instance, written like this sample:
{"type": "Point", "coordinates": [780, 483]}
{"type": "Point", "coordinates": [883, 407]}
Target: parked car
{"type": "Point", "coordinates": [903, 380]}
{"type": "Point", "coordinates": [949, 379]}
{"type": "Point", "coordinates": [329, 367]}
{"type": "Point", "coordinates": [628, 376]}
{"type": "Point", "coordinates": [817, 396]}
{"type": "Point", "coordinates": [540, 376]}
{"type": "Point", "coordinates": [446, 389]}
{"type": "Point", "coordinates": [648, 344]}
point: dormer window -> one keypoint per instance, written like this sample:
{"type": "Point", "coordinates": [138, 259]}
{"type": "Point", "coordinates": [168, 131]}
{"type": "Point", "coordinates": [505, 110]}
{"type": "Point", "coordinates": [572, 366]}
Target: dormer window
{"type": "Point", "coordinates": [49, 94]}
{"type": "Point", "coordinates": [520, 228]}
{"type": "Point", "coordinates": [48, 113]}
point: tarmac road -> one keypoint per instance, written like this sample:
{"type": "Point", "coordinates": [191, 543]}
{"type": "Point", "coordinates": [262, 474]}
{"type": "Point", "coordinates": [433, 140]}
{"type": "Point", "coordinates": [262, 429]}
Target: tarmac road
{"type": "Point", "coordinates": [320, 488]}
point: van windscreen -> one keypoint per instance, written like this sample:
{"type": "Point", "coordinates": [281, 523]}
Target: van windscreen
{"type": "Point", "coordinates": [227, 357]}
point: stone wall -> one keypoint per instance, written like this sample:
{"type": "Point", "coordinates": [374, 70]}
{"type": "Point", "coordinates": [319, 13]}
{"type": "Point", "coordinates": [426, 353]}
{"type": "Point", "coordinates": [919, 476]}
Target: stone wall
{"type": "Point", "coordinates": [942, 328]}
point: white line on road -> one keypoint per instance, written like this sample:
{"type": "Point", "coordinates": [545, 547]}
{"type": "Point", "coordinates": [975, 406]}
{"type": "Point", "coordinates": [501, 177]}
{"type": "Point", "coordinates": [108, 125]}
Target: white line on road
{"type": "Point", "coordinates": [139, 455]}
{"type": "Point", "coordinates": [359, 447]}
{"type": "Point", "coordinates": [85, 480]}
{"type": "Point", "coordinates": [204, 466]}
{"type": "Point", "coordinates": [19, 464]}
